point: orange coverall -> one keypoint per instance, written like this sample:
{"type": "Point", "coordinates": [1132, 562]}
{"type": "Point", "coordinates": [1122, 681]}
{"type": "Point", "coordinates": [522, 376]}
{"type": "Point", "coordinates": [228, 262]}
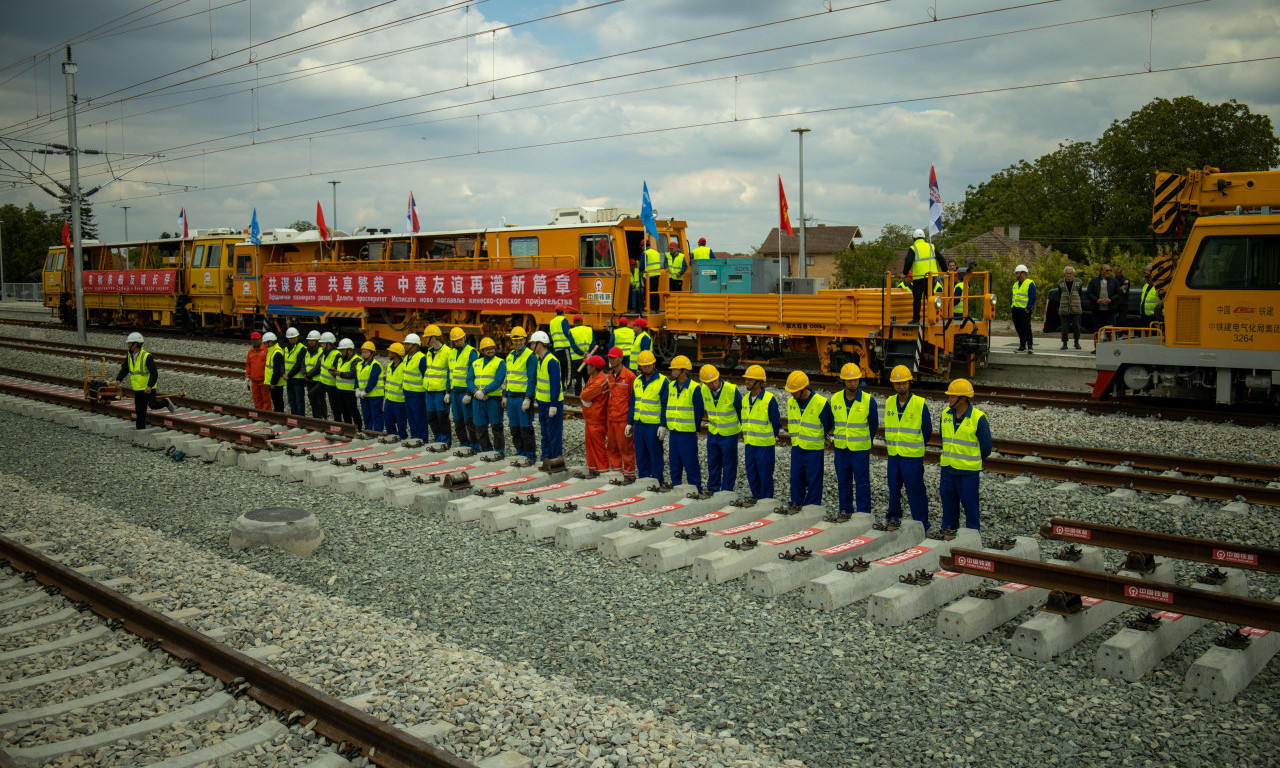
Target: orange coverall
{"type": "Point", "coordinates": [622, 450]}
{"type": "Point", "coordinates": [255, 370]}
{"type": "Point", "coordinates": [596, 417]}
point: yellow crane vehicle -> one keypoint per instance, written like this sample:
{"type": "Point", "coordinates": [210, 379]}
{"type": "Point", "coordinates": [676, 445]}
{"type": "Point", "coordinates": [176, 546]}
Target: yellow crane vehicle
{"type": "Point", "coordinates": [1220, 336]}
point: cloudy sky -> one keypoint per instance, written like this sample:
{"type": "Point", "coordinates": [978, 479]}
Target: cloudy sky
{"type": "Point", "coordinates": [495, 111]}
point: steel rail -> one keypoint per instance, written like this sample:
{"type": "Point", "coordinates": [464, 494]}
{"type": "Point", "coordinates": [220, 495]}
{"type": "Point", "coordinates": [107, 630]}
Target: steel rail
{"type": "Point", "coordinates": [97, 349]}
{"type": "Point", "coordinates": [1215, 606]}
{"type": "Point", "coordinates": [117, 357]}
{"type": "Point", "coordinates": [1222, 553]}
{"type": "Point", "coordinates": [331, 428]}
{"type": "Point", "coordinates": [337, 721]}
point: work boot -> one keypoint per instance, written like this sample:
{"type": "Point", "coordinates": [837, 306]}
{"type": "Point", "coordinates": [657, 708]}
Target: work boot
{"type": "Point", "coordinates": [485, 446]}
{"type": "Point", "coordinates": [1064, 345]}
{"type": "Point", "coordinates": [499, 444]}
{"type": "Point", "coordinates": [1078, 345]}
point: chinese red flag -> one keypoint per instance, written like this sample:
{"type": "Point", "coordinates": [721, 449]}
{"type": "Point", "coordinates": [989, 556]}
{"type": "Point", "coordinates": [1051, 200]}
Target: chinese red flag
{"type": "Point", "coordinates": [784, 224]}
{"type": "Point", "coordinates": [66, 235]}
{"type": "Point", "coordinates": [324, 231]}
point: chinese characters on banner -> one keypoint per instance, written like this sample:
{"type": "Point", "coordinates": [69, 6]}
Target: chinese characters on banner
{"type": "Point", "coordinates": [131, 281]}
{"type": "Point", "coordinates": [509, 289]}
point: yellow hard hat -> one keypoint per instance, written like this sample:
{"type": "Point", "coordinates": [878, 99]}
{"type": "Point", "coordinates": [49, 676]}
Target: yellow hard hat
{"type": "Point", "coordinates": [647, 358]}
{"type": "Point", "coordinates": [432, 331]}
{"type": "Point", "coordinates": [369, 346]}
{"type": "Point", "coordinates": [797, 381]}
{"type": "Point", "coordinates": [681, 361]}
{"type": "Point", "coordinates": [518, 332]}
{"type": "Point", "coordinates": [457, 333]}
{"type": "Point", "coordinates": [961, 388]}
{"type": "Point", "coordinates": [708, 374]}
{"type": "Point", "coordinates": [754, 372]}
{"type": "Point", "coordinates": [487, 343]}
{"type": "Point", "coordinates": [851, 371]}
{"type": "Point", "coordinates": [396, 349]}
{"type": "Point", "coordinates": [900, 373]}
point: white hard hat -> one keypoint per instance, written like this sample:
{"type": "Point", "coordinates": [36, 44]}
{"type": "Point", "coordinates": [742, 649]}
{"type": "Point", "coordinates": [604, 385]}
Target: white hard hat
{"type": "Point", "coordinates": [918, 234]}
{"type": "Point", "coordinates": [268, 336]}
{"type": "Point", "coordinates": [539, 336]}
{"type": "Point", "coordinates": [327, 338]}
{"type": "Point", "coordinates": [134, 338]}
{"type": "Point", "coordinates": [413, 339]}
{"type": "Point", "coordinates": [1021, 268]}
{"type": "Point", "coordinates": [292, 333]}
{"type": "Point", "coordinates": [346, 344]}
{"type": "Point", "coordinates": [312, 335]}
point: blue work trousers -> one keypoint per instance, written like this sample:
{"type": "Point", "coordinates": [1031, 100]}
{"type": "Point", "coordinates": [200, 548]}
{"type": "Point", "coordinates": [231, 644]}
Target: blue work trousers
{"type": "Point", "coordinates": [648, 451]}
{"type": "Point", "coordinates": [722, 462]}
{"type": "Point", "coordinates": [462, 412]}
{"type": "Point", "coordinates": [760, 461]}
{"type": "Point", "coordinates": [371, 412]}
{"type": "Point", "coordinates": [393, 419]}
{"type": "Point", "coordinates": [552, 430]}
{"type": "Point", "coordinates": [853, 471]}
{"type": "Point", "coordinates": [806, 476]}
{"type": "Point", "coordinates": [959, 489]}
{"type": "Point", "coordinates": [415, 410]}
{"type": "Point", "coordinates": [907, 472]}
{"type": "Point", "coordinates": [296, 389]}
{"type": "Point", "coordinates": [436, 419]}
{"type": "Point", "coordinates": [684, 459]}
{"type": "Point", "coordinates": [517, 416]}
{"type": "Point", "coordinates": [487, 412]}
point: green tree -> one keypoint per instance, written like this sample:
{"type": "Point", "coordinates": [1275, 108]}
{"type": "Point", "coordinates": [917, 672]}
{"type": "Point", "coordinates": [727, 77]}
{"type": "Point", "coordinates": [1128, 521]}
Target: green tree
{"type": "Point", "coordinates": [27, 235]}
{"type": "Point", "coordinates": [88, 227]}
{"type": "Point", "coordinates": [865, 263]}
{"type": "Point", "coordinates": [302, 225]}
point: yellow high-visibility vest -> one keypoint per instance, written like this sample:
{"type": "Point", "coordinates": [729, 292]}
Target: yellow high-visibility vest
{"type": "Point", "coordinates": [904, 434]}
{"type": "Point", "coordinates": [756, 428]}
{"type": "Point", "coordinates": [411, 373]}
{"type": "Point", "coordinates": [722, 418]}
{"type": "Point", "coordinates": [680, 407]}
{"type": "Point", "coordinates": [805, 425]}
{"type": "Point", "coordinates": [853, 431]}
{"type": "Point", "coordinates": [649, 399]}
{"type": "Point", "coordinates": [138, 376]}
{"type": "Point", "coordinates": [960, 448]}
{"type": "Point", "coordinates": [364, 372]}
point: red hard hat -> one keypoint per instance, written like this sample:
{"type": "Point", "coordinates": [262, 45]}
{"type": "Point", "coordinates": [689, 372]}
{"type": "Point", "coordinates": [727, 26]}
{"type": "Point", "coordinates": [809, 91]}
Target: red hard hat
{"type": "Point", "coordinates": [596, 361]}
{"type": "Point", "coordinates": [702, 241]}
{"type": "Point", "coordinates": [559, 307]}
{"type": "Point", "coordinates": [577, 318]}
{"type": "Point", "coordinates": [640, 322]}
{"type": "Point", "coordinates": [623, 320]}
{"type": "Point", "coordinates": [255, 335]}
{"type": "Point", "coordinates": [615, 352]}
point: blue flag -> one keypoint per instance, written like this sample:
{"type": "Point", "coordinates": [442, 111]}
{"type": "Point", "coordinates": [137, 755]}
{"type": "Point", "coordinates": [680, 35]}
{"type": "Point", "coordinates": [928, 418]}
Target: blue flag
{"type": "Point", "coordinates": [646, 214]}
{"type": "Point", "coordinates": [255, 234]}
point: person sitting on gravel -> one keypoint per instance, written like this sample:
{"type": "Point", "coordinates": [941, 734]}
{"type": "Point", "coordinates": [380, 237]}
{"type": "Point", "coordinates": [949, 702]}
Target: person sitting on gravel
{"type": "Point", "coordinates": [907, 429]}
{"type": "Point", "coordinates": [809, 421]}
{"type": "Point", "coordinates": [142, 373]}
{"type": "Point", "coordinates": [255, 361]}
{"type": "Point", "coordinates": [857, 421]}
{"type": "Point", "coordinates": [966, 441]}
{"type": "Point", "coordinates": [595, 413]}
{"type": "Point", "coordinates": [761, 425]}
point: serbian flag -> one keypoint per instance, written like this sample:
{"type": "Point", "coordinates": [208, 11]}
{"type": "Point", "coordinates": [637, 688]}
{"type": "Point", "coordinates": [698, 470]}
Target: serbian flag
{"type": "Point", "coordinates": [324, 231]}
{"type": "Point", "coordinates": [935, 204]}
{"type": "Point", "coordinates": [66, 235]}
{"type": "Point", "coordinates": [784, 223]}
{"type": "Point", "coordinates": [411, 223]}
{"type": "Point", "coordinates": [182, 224]}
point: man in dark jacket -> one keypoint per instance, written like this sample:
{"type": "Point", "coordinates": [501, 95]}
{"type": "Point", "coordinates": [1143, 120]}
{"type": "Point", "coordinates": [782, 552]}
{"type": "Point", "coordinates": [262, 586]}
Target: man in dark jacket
{"type": "Point", "coordinates": [1105, 292]}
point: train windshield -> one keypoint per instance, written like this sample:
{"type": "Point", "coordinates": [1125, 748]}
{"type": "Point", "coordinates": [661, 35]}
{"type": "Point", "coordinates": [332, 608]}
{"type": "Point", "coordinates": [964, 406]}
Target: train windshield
{"type": "Point", "coordinates": [1237, 262]}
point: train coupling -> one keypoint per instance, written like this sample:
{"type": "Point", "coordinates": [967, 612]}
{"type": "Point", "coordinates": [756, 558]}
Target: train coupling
{"type": "Point", "coordinates": [562, 509]}
{"type": "Point", "coordinates": [798, 556]}
{"type": "Point", "coordinates": [694, 535]}
{"type": "Point", "coordinates": [742, 545]}
{"type": "Point", "coordinates": [602, 517]}
{"type": "Point", "coordinates": [920, 578]}
{"type": "Point", "coordinates": [652, 524]}
{"type": "Point", "coordinates": [856, 565]}
{"type": "Point", "coordinates": [526, 501]}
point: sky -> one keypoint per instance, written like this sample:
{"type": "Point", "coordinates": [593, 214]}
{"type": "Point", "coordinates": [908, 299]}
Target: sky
{"type": "Point", "coordinates": [493, 112]}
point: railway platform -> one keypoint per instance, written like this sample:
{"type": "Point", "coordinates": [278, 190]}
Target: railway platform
{"type": "Point", "coordinates": [1048, 353]}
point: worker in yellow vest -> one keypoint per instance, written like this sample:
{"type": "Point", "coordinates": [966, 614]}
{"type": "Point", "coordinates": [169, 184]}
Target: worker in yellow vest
{"type": "Point", "coordinates": [761, 425]}
{"type": "Point", "coordinates": [702, 251]}
{"type": "Point", "coordinates": [635, 295]}
{"type": "Point", "coordinates": [722, 402]}
{"type": "Point", "coordinates": [654, 263]}
{"type": "Point", "coordinates": [680, 418]}
{"type": "Point", "coordinates": [328, 368]}
{"type": "Point", "coordinates": [922, 262]}
{"type": "Point", "coordinates": [370, 387]}
{"type": "Point", "coordinates": [907, 429]}
{"type": "Point", "coordinates": [273, 372]}
{"type": "Point", "coordinates": [522, 372]}
{"type": "Point", "coordinates": [485, 381]}
{"type": "Point", "coordinates": [582, 344]}
{"type": "Point", "coordinates": [550, 399]}
{"type": "Point", "coordinates": [1150, 302]}
{"type": "Point", "coordinates": [623, 337]}
{"type": "Point", "coordinates": [643, 342]}
{"type": "Point", "coordinates": [316, 391]}
{"type": "Point", "coordinates": [436, 364]}
{"type": "Point", "coordinates": [857, 421]}
{"type": "Point", "coordinates": [809, 421]}
{"type": "Point", "coordinates": [393, 415]}
{"type": "Point", "coordinates": [1024, 303]}
{"type": "Point", "coordinates": [344, 375]}
{"type": "Point", "coordinates": [558, 331]}
{"type": "Point", "coordinates": [142, 373]}
{"type": "Point", "coordinates": [644, 421]}
{"type": "Point", "coordinates": [295, 372]}
{"type": "Point", "coordinates": [413, 382]}
{"type": "Point", "coordinates": [966, 441]}
{"type": "Point", "coordinates": [677, 265]}
{"type": "Point", "coordinates": [463, 356]}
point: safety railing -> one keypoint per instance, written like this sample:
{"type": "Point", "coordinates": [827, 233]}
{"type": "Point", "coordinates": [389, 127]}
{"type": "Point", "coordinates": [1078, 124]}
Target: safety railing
{"type": "Point", "coordinates": [23, 292]}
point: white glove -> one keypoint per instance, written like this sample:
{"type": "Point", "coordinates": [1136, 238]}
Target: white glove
{"type": "Point", "coordinates": [552, 411]}
{"type": "Point", "coordinates": [586, 403]}
{"type": "Point", "coordinates": [466, 399]}
{"type": "Point", "coordinates": [626, 432]}
{"type": "Point", "coordinates": [446, 398]}
{"type": "Point", "coordinates": [527, 404]}
{"type": "Point", "coordinates": [481, 395]}
{"type": "Point", "coordinates": [360, 393]}
{"type": "Point", "coordinates": [662, 433]}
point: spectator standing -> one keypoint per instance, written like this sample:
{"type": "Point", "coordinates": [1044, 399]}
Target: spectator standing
{"type": "Point", "coordinates": [595, 414]}
{"type": "Point", "coordinates": [344, 374]}
{"type": "Point", "coordinates": [677, 265]}
{"type": "Point", "coordinates": [635, 296]}
{"type": "Point", "coordinates": [255, 364]}
{"type": "Point", "coordinates": [436, 364]}
{"type": "Point", "coordinates": [1070, 305]}
{"type": "Point", "coordinates": [1122, 295]}
{"type": "Point", "coordinates": [1024, 303]}
{"type": "Point", "coordinates": [1105, 291]}
{"type": "Point", "coordinates": [654, 263]}
{"type": "Point", "coordinates": [412, 370]}
{"type": "Point", "coordinates": [702, 252]}
{"type": "Point", "coordinates": [643, 343]}
{"type": "Point", "coordinates": [623, 337]}
{"type": "Point", "coordinates": [550, 397]}
{"type": "Point", "coordinates": [463, 355]}
{"type": "Point", "coordinates": [316, 392]}
{"type": "Point", "coordinates": [621, 448]}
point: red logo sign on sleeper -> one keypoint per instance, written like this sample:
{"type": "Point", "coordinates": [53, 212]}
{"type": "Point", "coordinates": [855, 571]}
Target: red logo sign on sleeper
{"type": "Point", "coordinates": [505, 483]}
{"type": "Point", "coordinates": [946, 574]}
{"type": "Point", "coordinates": [1072, 531]}
{"type": "Point", "coordinates": [751, 526]}
{"type": "Point", "coordinates": [1255, 631]}
{"type": "Point", "coordinates": [130, 281]}
{"type": "Point", "coordinates": [618, 503]}
{"type": "Point", "coordinates": [797, 536]}
{"type": "Point", "coordinates": [903, 557]}
{"type": "Point", "coordinates": [507, 289]}
{"type": "Point", "coordinates": [1168, 615]}
{"type": "Point", "coordinates": [976, 563]}
{"type": "Point", "coordinates": [1238, 558]}
{"type": "Point", "coordinates": [1089, 602]}
{"type": "Point", "coordinates": [583, 495]}
{"type": "Point", "coordinates": [701, 519]}
{"type": "Point", "coordinates": [848, 545]}
{"type": "Point", "coordinates": [1014, 586]}
{"type": "Point", "coordinates": [1149, 593]}
{"type": "Point", "coordinates": [656, 510]}
{"type": "Point", "coordinates": [543, 489]}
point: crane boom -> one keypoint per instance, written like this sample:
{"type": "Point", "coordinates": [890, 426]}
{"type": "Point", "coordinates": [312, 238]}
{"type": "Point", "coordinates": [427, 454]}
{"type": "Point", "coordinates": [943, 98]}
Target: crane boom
{"type": "Point", "coordinates": [1210, 191]}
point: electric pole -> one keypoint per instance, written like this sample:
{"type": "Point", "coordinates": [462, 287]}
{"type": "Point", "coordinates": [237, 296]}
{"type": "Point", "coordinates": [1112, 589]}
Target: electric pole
{"type": "Point", "coordinates": [803, 270]}
{"type": "Point", "coordinates": [69, 69]}
{"type": "Point", "coordinates": [335, 204]}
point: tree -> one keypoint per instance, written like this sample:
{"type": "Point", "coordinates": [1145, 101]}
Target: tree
{"type": "Point", "coordinates": [865, 263]}
{"type": "Point", "coordinates": [27, 233]}
{"type": "Point", "coordinates": [302, 225]}
{"type": "Point", "coordinates": [88, 227]}
{"type": "Point", "coordinates": [1103, 189]}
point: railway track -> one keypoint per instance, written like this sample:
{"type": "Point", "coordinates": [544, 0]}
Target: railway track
{"type": "Point", "coordinates": [53, 612]}
{"type": "Point", "coordinates": [209, 366]}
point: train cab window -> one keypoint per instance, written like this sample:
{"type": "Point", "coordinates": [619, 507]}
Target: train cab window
{"type": "Point", "coordinates": [49, 259]}
{"type": "Point", "coordinates": [197, 257]}
{"type": "Point", "coordinates": [399, 250]}
{"type": "Point", "coordinates": [61, 260]}
{"type": "Point", "coordinates": [213, 257]}
{"type": "Point", "coordinates": [595, 251]}
{"type": "Point", "coordinates": [1237, 262]}
{"type": "Point", "coordinates": [231, 255]}
{"type": "Point", "coordinates": [244, 263]}
{"type": "Point", "coordinates": [522, 247]}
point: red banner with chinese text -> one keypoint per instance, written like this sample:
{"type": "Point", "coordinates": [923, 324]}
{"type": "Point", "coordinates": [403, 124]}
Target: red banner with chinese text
{"type": "Point", "coordinates": [507, 289]}
{"type": "Point", "coordinates": [130, 281]}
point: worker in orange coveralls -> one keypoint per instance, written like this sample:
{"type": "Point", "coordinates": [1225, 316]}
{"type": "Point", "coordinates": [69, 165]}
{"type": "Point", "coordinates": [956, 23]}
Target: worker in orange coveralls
{"type": "Point", "coordinates": [622, 449]}
{"type": "Point", "coordinates": [595, 412]}
{"type": "Point", "coordinates": [255, 370]}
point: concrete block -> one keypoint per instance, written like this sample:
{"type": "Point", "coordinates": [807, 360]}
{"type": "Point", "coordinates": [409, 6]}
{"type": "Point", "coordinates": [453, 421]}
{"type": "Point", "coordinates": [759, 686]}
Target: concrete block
{"type": "Point", "coordinates": [776, 578]}
{"type": "Point", "coordinates": [675, 553]}
{"type": "Point", "coordinates": [628, 542]}
{"type": "Point", "coordinates": [585, 533]}
{"type": "Point", "coordinates": [1177, 501]}
{"type": "Point", "coordinates": [900, 603]}
{"type": "Point", "coordinates": [840, 588]}
{"type": "Point", "coordinates": [1131, 653]}
{"type": "Point", "coordinates": [469, 508]}
{"type": "Point", "coordinates": [542, 523]}
{"type": "Point", "coordinates": [497, 472]}
{"type": "Point", "coordinates": [1221, 673]}
{"type": "Point", "coordinates": [971, 617]}
{"type": "Point", "coordinates": [293, 530]}
{"type": "Point", "coordinates": [207, 450]}
{"type": "Point", "coordinates": [1237, 507]}
{"type": "Point", "coordinates": [727, 564]}
{"type": "Point", "coordinates": [1046, 635]}
{"type": "Point", "coordinates": [1122, 494]}
{"type": "Point", "coordinates": [1018, 481]}
{"type": "Point", "coordinates": [147, 438]}
{"type": "Point", "coordinates": [506, 512]}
